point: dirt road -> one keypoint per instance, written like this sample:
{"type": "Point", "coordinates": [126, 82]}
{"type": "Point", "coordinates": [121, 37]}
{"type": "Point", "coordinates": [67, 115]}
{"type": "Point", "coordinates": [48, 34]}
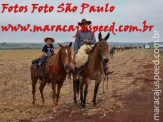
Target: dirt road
{"type": "Point", "coordinates": [129, 97]}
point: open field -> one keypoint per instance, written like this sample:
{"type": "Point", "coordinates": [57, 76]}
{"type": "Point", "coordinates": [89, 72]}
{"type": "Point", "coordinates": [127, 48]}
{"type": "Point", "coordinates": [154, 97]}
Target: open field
{"type": "Point", "coordinates": [129, 96]}
{"type": "Point", "coordinates": [19, 46]}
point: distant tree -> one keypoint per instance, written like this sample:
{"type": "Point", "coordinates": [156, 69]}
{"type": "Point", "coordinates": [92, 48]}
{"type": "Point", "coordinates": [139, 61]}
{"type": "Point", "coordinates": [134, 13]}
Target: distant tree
{"type": "Point", "coordinates": [3, 43]}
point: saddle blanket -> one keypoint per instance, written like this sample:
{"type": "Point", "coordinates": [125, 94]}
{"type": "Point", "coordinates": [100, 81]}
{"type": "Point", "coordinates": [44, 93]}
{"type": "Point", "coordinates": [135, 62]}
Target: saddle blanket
{"type": "Point", "coordinates": [81, 57]}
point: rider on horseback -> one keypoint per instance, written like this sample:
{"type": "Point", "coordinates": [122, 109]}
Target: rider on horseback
{"type": "Point", "coordinates": [85, 37]}
{"type": "Point", "coordinates": [47, 50]}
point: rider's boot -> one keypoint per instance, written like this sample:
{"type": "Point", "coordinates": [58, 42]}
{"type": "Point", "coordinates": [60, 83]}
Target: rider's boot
{"type": "Point", "coordinates": [106, 69]}
{"type": "Point", "coordinates": [109, 72]}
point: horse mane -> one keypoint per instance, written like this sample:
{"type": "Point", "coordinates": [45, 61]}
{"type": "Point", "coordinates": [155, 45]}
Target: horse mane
{"type": "Point", "coordinates": [94, 47]}
{"type": "Point", "coordinates": [57, 57]}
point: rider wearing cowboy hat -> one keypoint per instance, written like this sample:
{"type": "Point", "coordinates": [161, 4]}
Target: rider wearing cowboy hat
{"type": "Point", "coordinates": [47, 50]}
{"type": "Point", "coordinates": [85, 37]}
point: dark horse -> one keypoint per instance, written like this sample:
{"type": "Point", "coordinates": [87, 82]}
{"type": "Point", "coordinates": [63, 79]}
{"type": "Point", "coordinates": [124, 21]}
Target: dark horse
{"type": "Point", "coordinates": [93, 70]}
{"type": "Point", "coordinates": [58, 66]}
{"type": "Point", "coordinates": [112, 51]}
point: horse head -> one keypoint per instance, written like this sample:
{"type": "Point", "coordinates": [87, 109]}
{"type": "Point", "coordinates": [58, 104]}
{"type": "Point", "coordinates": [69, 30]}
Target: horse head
{"type": "Point", "coordinates": [66, 55]}
{"type": "Point", "coordinates": [103, 47]}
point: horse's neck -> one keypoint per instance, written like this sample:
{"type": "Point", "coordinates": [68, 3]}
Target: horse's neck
{"type": "Point", "coordinates": [95, 60]}
{"type": "Point", "coordinates": [57, 60]}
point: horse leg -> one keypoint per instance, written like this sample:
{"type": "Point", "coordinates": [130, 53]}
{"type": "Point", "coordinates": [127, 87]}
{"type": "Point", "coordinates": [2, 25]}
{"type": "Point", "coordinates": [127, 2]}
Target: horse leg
{"type": "Point", "coordinates": [85, 94]}
{"type": "Point", "coordinates": [95, 91]}
{"type": "Point", "coordinates": [54, 95]}
{"type": "Point", "coordinates": [34, 81]}
{"type": "Point", "coordinates": [107, 82]}
{"type": "Point", "coordinates": [58, 93]}
{"type": "Point", "coordinates": [103, 84]}
{"type": "Point", "coordinates": [74, 88]}
{"type": "Point", "coordinates": [81, 91]}
{"type": "Point", "coordinates": [42, 85]}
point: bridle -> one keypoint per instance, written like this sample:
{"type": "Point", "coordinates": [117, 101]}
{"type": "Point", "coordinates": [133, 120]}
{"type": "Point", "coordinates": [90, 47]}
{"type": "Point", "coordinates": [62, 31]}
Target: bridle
{"type": "Point", "coordinates": [68, 60]}
{"type": "Point", "coordinates": [59, 70]}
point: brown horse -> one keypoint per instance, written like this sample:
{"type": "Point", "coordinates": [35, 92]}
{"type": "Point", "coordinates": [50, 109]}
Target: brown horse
{"type": "Point", "coordinates": [93, 70]}
{"type": "Point", "coordinates": [58, 66]}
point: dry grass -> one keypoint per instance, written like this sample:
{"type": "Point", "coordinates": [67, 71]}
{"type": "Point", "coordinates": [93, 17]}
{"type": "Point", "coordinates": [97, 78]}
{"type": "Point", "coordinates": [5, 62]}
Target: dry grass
{"type": "Point", "coordinates": [15, 85]}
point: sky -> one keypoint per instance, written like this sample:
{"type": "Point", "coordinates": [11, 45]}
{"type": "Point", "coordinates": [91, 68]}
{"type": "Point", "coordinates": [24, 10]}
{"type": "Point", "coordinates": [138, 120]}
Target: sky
{"type": "Point", "coordinates": [126, 12]}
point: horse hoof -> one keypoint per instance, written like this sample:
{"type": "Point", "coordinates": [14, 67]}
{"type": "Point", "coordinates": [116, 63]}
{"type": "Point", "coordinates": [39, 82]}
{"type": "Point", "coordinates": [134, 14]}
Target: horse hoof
{"type": "Point", "coordinates": [43, 102]}
{"type": "Point", "coordinates": [83, 106]}
{"type": "Point", "coordinates": [95, 104]}
{"type": "Point", "coordinates": [33, 103]}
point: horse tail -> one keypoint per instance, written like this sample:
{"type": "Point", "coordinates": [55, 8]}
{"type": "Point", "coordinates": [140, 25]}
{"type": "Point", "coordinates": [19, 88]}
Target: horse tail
{"type": "Point", "coordinates": [77, 85]}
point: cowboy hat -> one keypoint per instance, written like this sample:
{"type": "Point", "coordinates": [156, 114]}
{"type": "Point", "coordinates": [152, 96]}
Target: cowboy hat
{"type": "Point", "coordinates": [52, 39]}
{"type": "Point", "coordinates": [84, 21]}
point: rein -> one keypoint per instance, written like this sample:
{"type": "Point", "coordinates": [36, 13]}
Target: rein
{"type": "Point", "coordinates": [103, 53]}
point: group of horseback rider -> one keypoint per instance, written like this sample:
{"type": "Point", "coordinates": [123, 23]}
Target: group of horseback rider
{"type": "Point", "coordinates": [83, 37]}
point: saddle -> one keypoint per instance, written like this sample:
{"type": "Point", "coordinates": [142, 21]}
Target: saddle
{"type": "Point", "coordinates": [44, 66]}
{"type": "Point", "coordinates": [36, 61]}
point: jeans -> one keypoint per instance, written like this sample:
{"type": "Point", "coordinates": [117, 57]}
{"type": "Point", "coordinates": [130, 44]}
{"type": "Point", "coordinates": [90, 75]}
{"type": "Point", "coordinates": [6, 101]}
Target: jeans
{"type": "Point", "coordinates": [76, 70]}
{"type": "Point", "coordinates": [43, 59]}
